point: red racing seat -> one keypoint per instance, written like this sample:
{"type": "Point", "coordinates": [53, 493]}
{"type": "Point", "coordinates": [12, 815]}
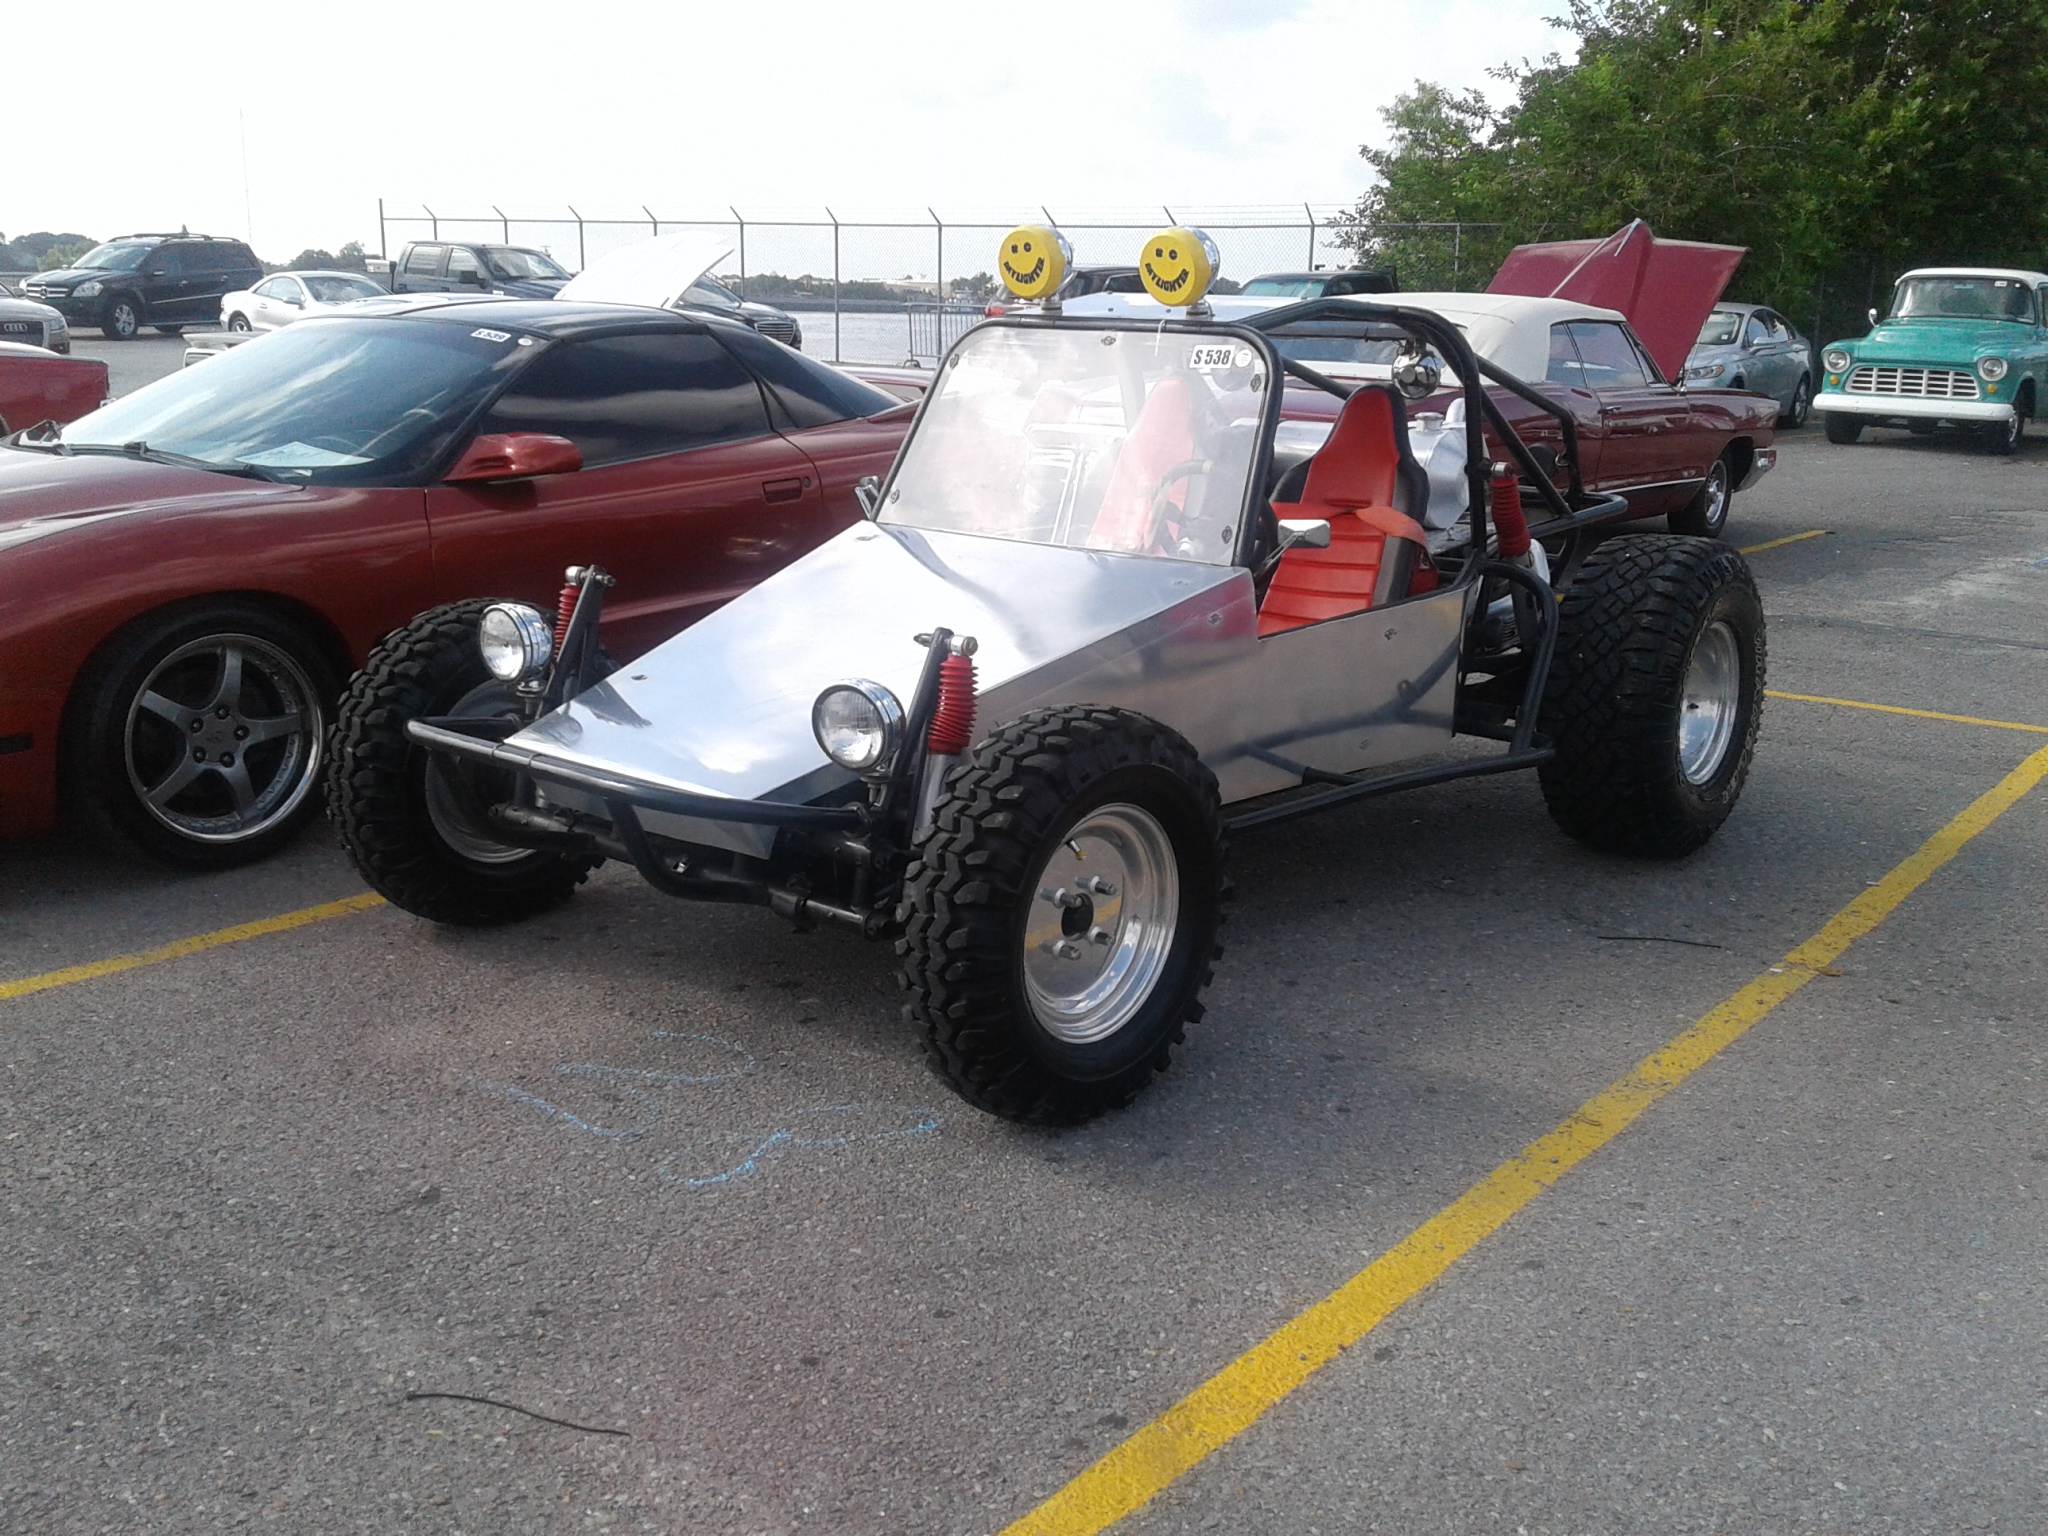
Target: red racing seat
{"type": "Point", "coordinates": [1358, 478]}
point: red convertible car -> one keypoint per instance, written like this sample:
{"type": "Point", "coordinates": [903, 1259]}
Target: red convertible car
{"type": "Point", "coordinates": [38, 386]}
{"type": "Point", "coordinates": [191, 572]}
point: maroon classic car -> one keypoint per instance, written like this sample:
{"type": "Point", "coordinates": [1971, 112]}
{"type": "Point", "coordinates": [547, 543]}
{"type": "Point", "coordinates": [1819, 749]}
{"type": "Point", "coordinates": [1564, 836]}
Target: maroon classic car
{"type": "Point", "coordinates": [191, 572]}
{"type": "Point", "coordinates": [38, 386]}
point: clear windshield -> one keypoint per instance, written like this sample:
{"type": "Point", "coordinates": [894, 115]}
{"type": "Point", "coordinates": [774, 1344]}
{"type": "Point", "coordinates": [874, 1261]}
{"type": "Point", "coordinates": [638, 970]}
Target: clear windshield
{"type": "Point", "coordinates": [114, 257]}
{"type": "Point", "coordinates": [510, 264]}
{"type": "Point", "coordinates": [346, 401]}
{"type": "Point", "coordinates": [1138, 442]}
{"type": "Point", "coordinates": [1964, 298]}
{"type": "Point", "coordinates": [341, 290]}
{"type": "Point", "coordinates": [1284, 288]}
{"type": "Point", "coordinates": [1721, 329]}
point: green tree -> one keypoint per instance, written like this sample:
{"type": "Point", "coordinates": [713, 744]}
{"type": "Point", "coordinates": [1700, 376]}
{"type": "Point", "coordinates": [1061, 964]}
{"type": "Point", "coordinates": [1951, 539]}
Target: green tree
{"type": "Point", "coordinates": [1840, 140]}
{"type": "Point", "coordinates": [62, 254]}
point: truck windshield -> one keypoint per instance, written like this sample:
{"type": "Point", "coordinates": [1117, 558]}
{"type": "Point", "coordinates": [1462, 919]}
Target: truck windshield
{"type": "Point", "coordinates": [510, 264]}
{"type": "Point", "coordinates": [1964, 298]}
{"type": "Point", "coordinates": [350, 402]}
{"type": "Point", "coordinates": [1135, 442]}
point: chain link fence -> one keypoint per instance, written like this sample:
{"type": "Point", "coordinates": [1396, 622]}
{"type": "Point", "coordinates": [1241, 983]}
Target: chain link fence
{"type": "Point", "coordinates": [901, 288]}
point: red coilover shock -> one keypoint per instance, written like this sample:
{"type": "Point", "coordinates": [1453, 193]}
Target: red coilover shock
{"type": "Point", "coordinates": [952, 729]}
{"type": "Point", "coordinates": [565, 609]}
{"type": "Point", "coordinates": [1508, 521]}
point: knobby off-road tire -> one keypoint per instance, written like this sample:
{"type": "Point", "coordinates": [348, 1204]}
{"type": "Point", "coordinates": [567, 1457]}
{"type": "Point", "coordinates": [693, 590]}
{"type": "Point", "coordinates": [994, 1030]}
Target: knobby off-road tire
{"type": "Point", "coordinates": [1012, 872]}
{"type": "Point", "coordinates": [1655, 695]}
{"type": "Point", "coordinates": [400, 811]}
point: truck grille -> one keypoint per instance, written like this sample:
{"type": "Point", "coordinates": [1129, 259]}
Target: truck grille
{"type": "Point", "coordinates": [776, 328]}
{"type": "Point", "coordinates": [1927, 383]}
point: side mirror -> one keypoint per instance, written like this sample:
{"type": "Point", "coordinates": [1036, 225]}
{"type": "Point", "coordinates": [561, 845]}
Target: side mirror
{"type": "Point", "coordinates": [474, 279]}
{"type": "Point", "coordinates": [868, 492]}
{"type": "Point", "coordinates": [295, 301]}
{"type": "Point", "coordinates": [1873, 317]}
{"type": "Point", "coordinates": [1308, 532]}
{"type": "Point", "coordinates": [1418, 377]}
{"type": "Point", "coordinates": [514, 456]}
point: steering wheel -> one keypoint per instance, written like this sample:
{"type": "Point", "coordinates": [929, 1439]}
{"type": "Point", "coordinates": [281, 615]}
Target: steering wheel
{"type": "Point", "coordinates": [1155, 535]}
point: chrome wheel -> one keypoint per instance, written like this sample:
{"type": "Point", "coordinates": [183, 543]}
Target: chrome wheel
{"type": "Point", "coordinates": [1714, 497]}
{"type": "Point", "coordinates": [1100, 924]}
{"type": "Point", "coordinates": [222, 740]}
{"type": "Point", "coordinates": [1711, 703]}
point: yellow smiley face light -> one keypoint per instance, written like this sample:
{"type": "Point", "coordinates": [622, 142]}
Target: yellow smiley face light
{"type": "Point", "coordinates": [1177, 266]}
{"type": "Point", "coordinates": [1033, 260]}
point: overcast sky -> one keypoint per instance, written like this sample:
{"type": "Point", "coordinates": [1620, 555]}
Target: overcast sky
{"type": "Point", "coordinates": [978, 111]}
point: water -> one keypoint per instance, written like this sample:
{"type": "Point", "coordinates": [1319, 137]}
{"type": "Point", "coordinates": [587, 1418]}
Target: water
{"type": "Point", "coordinates": [864, 338]}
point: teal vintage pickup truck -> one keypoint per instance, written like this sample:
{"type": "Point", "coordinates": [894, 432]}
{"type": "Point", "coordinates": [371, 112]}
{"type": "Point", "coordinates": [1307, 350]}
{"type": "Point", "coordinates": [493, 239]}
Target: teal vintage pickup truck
{"type": "Point", "coordinates": [1964, 347]}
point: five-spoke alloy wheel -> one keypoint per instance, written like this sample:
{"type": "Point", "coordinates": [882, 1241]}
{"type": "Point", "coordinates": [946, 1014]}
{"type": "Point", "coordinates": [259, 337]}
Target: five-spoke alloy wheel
{"type": "Point", "coordinates": [199, 734]}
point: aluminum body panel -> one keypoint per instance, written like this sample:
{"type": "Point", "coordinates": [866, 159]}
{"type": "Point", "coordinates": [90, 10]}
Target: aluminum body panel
{"type": "Point", "coordinates": [724, 708]}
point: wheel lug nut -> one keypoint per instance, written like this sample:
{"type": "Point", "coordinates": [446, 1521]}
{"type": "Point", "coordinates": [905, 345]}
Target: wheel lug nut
{"type": "Point", "coordinates": [221, 713]}
{"type": "Point", "coordinates": [241, 733]}
{"type": "Point", "coordinates": [196, 725]}
{"type": "Point", "coordinates": [1098, 935]}
{"type": "Point", "coordinates": [1067, 949]}
{"type": "Point", "coordinates": [227, 759]}
{"type": "Point", "coordinates": [198, 754]}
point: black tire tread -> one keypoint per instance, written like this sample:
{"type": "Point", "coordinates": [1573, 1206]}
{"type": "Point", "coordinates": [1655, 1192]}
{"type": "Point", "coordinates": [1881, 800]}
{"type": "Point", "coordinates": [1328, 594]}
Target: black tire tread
{"type": "Point", "coordinates": [1626, 628]}
{"type": "Point", "coordinates": [968, 877]}
{"type": "Point", "coordinates": [412, 672]}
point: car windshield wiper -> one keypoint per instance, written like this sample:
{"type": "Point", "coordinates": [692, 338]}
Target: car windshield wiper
{"type": "Point", "coordinates": [45, 437]}
{"type": "Point", "coordinates": [141, 450]}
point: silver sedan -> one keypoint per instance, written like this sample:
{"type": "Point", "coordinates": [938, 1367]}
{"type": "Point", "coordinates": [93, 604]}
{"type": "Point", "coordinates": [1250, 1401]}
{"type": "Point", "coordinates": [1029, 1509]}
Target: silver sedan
{"type": "Point", "coordinates": [33, 324]}
{"type": "Point", "coordinates": [1746, 346]}
{"type": "Point", "coordinates": [290, 296]}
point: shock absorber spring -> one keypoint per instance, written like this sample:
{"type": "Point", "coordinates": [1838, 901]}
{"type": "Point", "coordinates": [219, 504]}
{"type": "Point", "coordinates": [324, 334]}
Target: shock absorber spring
{"type": "Point", "coordinates": [1509, 521]}
{"type": "Point", "coordinates": [952, 729]}
{"type": "Point", "coordinates": [565, 607]}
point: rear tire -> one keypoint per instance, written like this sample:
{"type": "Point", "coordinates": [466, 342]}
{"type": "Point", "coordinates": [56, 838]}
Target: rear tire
{"type": "Point", "coordinates": [1802, 401]}
{"type": "Point", "coordinates": [1707, 513]}
{"type": "Point", "coordinates": [1655, 696]}
{"type": "Point", "coordinates": [1060, 918]}
{"type": "Point", "coordinates": [403, 814]}
{"type": "Point", "coordinates": [1843, 429]}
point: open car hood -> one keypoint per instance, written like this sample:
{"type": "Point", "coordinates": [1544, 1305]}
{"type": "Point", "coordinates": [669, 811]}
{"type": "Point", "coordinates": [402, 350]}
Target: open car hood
{"type": "Point", "coordinates": [654, 273]}
{"type": "Point", "coordinates": [1664, 287]}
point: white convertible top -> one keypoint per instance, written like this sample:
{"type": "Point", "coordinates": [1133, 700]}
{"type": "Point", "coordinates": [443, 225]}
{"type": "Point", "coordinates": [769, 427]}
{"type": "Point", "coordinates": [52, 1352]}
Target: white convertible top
{"type": "Point", "coordinates": [1508, 329]}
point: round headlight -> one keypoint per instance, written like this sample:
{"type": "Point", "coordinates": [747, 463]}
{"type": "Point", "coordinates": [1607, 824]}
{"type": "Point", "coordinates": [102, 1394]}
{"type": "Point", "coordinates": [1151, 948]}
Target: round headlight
{"type": "Point", "coordinates": [858, 724]}
{"type": "Point", "coordinates": [1991, 369]}
{"type": "Point", "coordinates": [516, 641]}
{"type": "Point", "coordinates": [89, 290]}
{"type": "Point", "coordinates": [1835, 360]}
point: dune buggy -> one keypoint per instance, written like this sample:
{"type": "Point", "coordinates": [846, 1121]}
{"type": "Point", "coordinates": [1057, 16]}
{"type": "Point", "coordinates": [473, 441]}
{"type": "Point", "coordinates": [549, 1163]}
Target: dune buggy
{"type": "Point", "coordinates": [1096, 621]}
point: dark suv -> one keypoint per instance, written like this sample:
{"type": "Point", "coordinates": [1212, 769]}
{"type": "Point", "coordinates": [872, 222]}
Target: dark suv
{"type": "Point", "coordinates": [168, 281]}
{"type": "Point", "coordinates": [440, 266]}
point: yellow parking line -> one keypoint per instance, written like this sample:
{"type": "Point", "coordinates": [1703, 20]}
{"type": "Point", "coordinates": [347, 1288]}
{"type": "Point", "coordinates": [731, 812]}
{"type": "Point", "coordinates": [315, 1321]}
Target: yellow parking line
{"type": "Point", "coordinates": [1237, 1396]}
{"type": "Point", "coordinates": [1790, 538]}
{"type": "Point", "coordinates": [179, 948]}
{"type": "Point", "coordinates": [1899, 709]}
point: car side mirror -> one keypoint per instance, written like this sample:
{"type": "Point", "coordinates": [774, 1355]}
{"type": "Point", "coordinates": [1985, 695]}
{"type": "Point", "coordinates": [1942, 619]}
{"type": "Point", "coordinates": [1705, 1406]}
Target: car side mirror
{"type": "Point", "coordinates": [295, 301]}
{"type": "Point", "coordinates": [514, 456]}
{"type": "Point", "coordinates": [474, 279]}
{"type": "Point", "coordinates": [1307, 532]}
{"type": "Point", "coordinates": [1873, 317]}
{"type": "Point", "coordinates": [868, 492]}
{"type": "Point", "coordinates": [1417, 378]}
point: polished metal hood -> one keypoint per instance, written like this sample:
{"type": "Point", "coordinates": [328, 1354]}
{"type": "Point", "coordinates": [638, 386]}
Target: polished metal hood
{"type": "Point", "coordinates": [724, 708]}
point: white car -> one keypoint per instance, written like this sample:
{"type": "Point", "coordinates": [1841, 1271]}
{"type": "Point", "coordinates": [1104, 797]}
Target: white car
{"type": "Point", "coordinates": [32, 324]}
{"type": "Point", "coordinates": [293, 296]}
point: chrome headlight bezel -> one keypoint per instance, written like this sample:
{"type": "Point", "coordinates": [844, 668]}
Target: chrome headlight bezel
{"type": "Point", "coordinates": [517, 641]}
{"type": "Point", "coordinates": [1836, 360]}
{"type": "Point", "coordinates": [858, 724]}
{"type": "Point", "coordinates": [1992, 369]}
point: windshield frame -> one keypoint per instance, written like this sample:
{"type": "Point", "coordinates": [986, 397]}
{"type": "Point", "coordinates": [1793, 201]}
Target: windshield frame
{"type": "Point", "coordinates": [1256, 476]}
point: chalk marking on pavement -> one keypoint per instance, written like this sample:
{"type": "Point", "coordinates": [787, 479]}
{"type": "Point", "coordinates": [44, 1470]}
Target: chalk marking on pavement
{"type": "Point", "coordinates": [177, 949]}
{"type": "Point", "coordinates": [1236, 1397]}
{"type": "Point", "coordinates": [1899, 709]}
{"type": "Point", "coordinates": [1790, 538]}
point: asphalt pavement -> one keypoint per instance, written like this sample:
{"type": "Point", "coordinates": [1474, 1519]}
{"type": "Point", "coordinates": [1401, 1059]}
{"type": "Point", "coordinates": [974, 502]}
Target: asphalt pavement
{"type": "Point", "coordinates": [644, 1216]}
